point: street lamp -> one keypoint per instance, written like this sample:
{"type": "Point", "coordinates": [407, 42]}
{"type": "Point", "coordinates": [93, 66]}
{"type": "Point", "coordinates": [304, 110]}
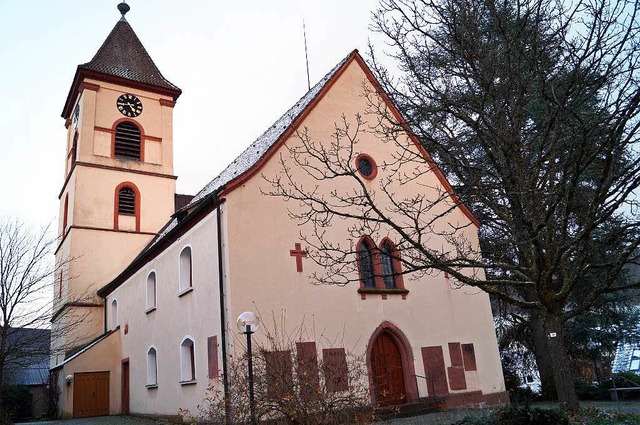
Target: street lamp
{"type": "Point", "coordinates": [249, 323]}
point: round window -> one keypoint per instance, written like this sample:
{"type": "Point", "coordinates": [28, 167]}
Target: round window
{"type": "Point", "coordinates": [366, 166]}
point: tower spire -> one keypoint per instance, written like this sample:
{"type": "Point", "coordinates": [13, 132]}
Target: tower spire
{"type": "Point", "coordinates": [123, 8]}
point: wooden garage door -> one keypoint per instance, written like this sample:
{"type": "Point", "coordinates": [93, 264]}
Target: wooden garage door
{"type": "Point", "coordinates": [90, 394]}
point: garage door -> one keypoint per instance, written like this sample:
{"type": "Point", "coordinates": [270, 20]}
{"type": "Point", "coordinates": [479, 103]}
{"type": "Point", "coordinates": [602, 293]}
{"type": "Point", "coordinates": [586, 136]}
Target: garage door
{"type": "Point", "coordinates": [90, 394]}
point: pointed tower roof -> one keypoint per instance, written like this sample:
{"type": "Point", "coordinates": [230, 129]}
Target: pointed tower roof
{"type": "Point", "coordinates": [122, 59]}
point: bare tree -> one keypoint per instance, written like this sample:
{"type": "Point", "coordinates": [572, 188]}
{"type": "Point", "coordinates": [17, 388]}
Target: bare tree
{"type": "Point", "coordinates": [530, 107]}
{"type": "Point", "coordinates": [27, 275]}
{"type": "Point", "coordinates": [292, 382]}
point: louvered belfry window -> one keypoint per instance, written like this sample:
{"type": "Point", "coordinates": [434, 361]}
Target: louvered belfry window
{"type": "Point", "coordinates": [126, 201]}
{"type": "Point", "coordinates": [127, 141]}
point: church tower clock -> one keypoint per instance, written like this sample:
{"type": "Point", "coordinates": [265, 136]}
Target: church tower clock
{"type": "Point", "coordinates": [119, 185]}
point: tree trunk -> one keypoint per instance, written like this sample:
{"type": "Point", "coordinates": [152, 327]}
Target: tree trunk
{"type": "Point", "coordinates": [543, 362]}
{"type": "Point", "coordinates": [562, 369]}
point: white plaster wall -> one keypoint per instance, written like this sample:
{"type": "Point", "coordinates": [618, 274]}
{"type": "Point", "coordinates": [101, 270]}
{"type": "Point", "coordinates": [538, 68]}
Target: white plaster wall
{"type": "Point", "coordinates": [195, 313]}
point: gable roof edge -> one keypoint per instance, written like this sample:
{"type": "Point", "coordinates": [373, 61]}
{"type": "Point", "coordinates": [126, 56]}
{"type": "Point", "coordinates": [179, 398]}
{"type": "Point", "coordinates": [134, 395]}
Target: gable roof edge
{"type": "Point", "coordinates": [432, 164]}
{"type": "Point", "coordinates": [353, 56]}
{"type": "Point", "coordinates": [246, 175]}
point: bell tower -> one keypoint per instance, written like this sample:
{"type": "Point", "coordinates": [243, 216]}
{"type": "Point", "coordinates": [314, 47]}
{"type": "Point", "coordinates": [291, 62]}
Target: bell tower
{"type": "Point", "coordinates": [119, 186]}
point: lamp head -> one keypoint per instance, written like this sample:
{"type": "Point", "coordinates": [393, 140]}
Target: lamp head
{"type": "Point", "coordinates": [248, 318]}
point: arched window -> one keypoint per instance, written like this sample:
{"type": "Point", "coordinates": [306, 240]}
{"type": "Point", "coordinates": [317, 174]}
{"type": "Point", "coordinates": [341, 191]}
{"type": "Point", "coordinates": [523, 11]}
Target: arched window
{"type": "Point", "coordinates": [365, 263]}
{"type": "Point", "coordinates": [151, 290]}
{"type": "Point", "coordinates": [379, 268]}
{"type": "Point", "coordinates": [127, 141]}
{"type": "Point", "coordinates": [387, 260]}
{"type": "Point", "coordinates": [114, 314]}
{"type": "Point", "coordinates": [126, 207]}
{"type": "Point", "coordinates": [187, 360]}
{"type": "Point", "coordinates": [152, 367]}
{"type": "Point", "coordinates": [186, 274]}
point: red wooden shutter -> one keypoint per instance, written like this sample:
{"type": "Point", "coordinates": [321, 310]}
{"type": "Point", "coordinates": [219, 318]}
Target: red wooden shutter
{"type": "Point", "coordinates": [212, 354]}
{"type": "Point", "coordinates": [434, 370]}
{"type": "Point", "coordinates": [308, 376]}
{"type": "Point", "coordinates": [455, 354]}
{"type": "Point", "coordinates": [469, 356]}
{"type": "Point", "coordinates": [279, 378]}
{"type": "Point", "coordinates": [457, 379]}
{"type": "Point", "coordinates": [334, 367]}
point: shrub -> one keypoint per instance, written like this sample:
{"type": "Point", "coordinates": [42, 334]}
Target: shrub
{"type": "Point", "coordinates": [288, 388]}
{"type": "Point", "coordinates": [518, 415]}
{"type": "Point", "coordinates": [520, 395]}
{"type": "Point", "coordinates": [16, 401]}
{"type": "Point", "coordinates": [593, 416]}
{"type": "Point", "coordinates": [596, 391]}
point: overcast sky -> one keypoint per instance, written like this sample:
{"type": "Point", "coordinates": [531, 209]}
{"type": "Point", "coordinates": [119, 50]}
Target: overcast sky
{"type": "Point", "coordinates": [240, 65]}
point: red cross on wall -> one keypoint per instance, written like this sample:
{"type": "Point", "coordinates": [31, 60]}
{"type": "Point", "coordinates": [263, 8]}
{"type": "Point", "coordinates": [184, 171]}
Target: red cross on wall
{"type": "Point", "coordinates": [299, 254]}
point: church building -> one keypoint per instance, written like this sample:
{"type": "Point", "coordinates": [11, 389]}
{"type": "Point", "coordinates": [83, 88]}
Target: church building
{"type": "Point", "coordinates": [152, 281]}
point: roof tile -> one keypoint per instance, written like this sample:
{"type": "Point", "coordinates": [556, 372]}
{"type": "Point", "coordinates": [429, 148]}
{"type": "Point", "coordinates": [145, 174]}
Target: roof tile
{"type": "Point", "coordinates": [123, 55]}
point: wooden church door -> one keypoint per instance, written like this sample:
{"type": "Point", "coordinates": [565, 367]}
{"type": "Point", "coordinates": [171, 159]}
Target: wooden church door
{"type": "Point", "coordinates": [387, 371]}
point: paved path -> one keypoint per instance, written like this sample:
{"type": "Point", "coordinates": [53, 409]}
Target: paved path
{"type": "Point", "coordinates": [443, 418]}
{"type": "Point", "coordinates": [102, 420]}
{"type": "Point", "coordinates": [431, 419]}
{"type": "Point", "coordinates": [127, 420]}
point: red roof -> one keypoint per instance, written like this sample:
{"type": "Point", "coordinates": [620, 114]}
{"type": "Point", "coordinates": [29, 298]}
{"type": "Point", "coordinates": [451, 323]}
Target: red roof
{"type": "Point", "coordinates": [122, 59]}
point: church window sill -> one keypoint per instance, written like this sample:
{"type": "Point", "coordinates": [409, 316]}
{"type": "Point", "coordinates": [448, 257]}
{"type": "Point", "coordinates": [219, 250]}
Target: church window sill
{"type": "Point", "coordinates": [383, 292]}
{"type": "Point", "coordinates": [150, 310]}
{"type": "Point", "coordinates": [189, 382]}
{"type": "Point", "coordinates": [151, 386]}
{"type": "Point", "coordinates": [185, 291]}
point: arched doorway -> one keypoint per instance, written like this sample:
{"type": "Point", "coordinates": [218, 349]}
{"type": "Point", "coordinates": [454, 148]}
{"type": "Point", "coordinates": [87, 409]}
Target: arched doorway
{"type": "Point", "coordinates": [387, 370]}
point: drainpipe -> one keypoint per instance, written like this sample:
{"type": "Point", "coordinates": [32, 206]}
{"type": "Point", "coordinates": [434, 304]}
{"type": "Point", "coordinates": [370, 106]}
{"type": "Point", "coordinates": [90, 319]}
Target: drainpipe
{"type": "Point", "coordinates": [223, 320]}
{"type": "Point", "coordinates": [105, 314]}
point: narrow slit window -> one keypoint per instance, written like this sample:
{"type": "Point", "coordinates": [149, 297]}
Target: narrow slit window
{"type": "Point", "coordinates": [186, 274]}
{"type": "Point", "coordinates": [74, 150]}
{"type": "Point", "coordinates": [65, 214]}
{"type": "Point", "coordinates": [151, 290]}
{"type": "Point", "coordinates": [114, 314]}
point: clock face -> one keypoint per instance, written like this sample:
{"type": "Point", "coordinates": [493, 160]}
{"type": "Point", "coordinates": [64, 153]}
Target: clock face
{"type": "Point", "coordinates": [129, 105]}
{"type": "Point", "coordinates": [76, 116]}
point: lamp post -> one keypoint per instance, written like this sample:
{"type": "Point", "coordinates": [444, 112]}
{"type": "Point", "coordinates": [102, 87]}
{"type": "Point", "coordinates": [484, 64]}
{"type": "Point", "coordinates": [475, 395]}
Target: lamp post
{"type": "Point", "coordinates": [248, 323]}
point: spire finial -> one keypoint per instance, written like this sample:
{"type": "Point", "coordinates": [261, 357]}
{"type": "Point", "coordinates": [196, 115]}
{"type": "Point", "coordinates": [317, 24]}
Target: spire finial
{"type": "Point", "coordinates": [123, 8]}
